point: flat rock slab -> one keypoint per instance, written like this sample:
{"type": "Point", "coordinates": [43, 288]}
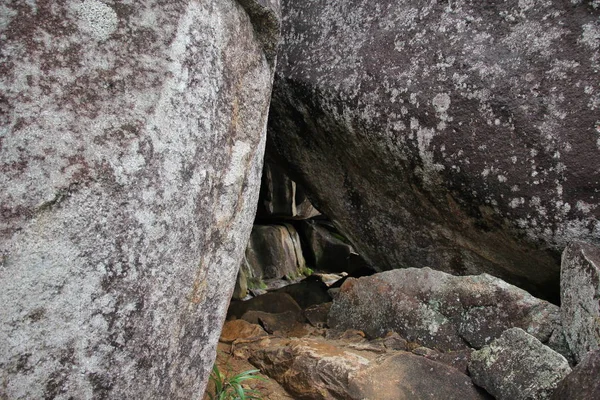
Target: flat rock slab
{"type": "Point", "coordinates": [440, 310]}
{"type": "Point", "coordinates": [580, 298]}
{"type": "Point", "coordinates": [517, 366]}
{"type": "Point", "coordinates": [321, 369]}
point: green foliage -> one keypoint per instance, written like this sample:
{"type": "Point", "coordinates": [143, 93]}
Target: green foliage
{"type": "Point", "coordinates": [230, 388]}
{"type": "Point", "coordinates": [306, 271]}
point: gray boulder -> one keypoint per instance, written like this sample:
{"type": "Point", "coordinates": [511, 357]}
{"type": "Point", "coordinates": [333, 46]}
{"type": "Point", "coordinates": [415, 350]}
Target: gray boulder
{"type": "Point", "coordinates": [517, 366]}
{"type": "Point", "coordinates": [131, 145]}
{"type": "Point", "coordinates": [274, 251]}
{"type": "Point", "coordinates": [462, 136]}
{"type": "Point", "coordinates": [439, 310]}
{"type": "Point", "coordinates": [580, 298]}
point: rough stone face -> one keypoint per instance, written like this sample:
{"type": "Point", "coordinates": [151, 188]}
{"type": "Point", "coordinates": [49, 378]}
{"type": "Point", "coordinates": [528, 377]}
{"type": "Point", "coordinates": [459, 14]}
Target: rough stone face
{"type": "Point", "coordinates": [320, 369]}
{"type": "Point", "coordinates": [517, 366]}
{"type": "Point", "coordinates": [281, 197]}
{"type": "Point", "coordinates": [131, 145]}
{"type": "Point", "coordinates": [580, 298]}
{"type": "Point", "coordinates": [274, 251]}
{"type": "Point", "coordinates": [463, 136]}
{"type": "Point", "coordinates": [440, 310]}
{"type": "Point", "coordinates": [582, 383]}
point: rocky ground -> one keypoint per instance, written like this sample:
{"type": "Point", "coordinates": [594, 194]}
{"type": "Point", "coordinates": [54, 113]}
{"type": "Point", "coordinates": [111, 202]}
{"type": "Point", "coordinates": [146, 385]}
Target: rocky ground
{"type": "Point", "coordinates": [417, 334]}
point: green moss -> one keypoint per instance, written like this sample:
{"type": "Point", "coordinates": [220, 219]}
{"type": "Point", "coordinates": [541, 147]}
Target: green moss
{"type": "Point", "coordinates": [256, 283]}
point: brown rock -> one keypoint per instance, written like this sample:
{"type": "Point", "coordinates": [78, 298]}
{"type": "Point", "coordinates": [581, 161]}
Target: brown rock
{"type": "Point", "coordinates": [582, 383]}
{"type": "Point", "coordinates": [320, 369]}
{"type": "Point", "coordinates": [240, 329]}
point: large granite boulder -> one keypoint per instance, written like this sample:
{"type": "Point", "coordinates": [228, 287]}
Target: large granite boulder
{"type": "Point", "coordinates": [315, 368]}
{"type": "Point", "coordinates": [516, 366]}
{"type": "Point", "coordinates": [580, 298]}
{"type": "Point", "coordinates": [458, 135]}
{"type": "Point", "coordinates": [131, 144]}
{"type": "Point", "coordinates": [582, 383]}
{"type": "Point", "coordinates": [440, 310]}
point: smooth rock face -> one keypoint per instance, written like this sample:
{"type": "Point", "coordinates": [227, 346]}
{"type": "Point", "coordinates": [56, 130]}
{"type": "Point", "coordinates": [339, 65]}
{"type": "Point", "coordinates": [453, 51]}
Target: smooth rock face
{"type": "Point", "coordinates": [274, 251]}
{"type": "Point", "coordinates": [440, 310]}
{"type": "Point", "coordinates": [580, 298]}
{"type": "Point", "coordinates": [517, 366]}
{"type": "Point", "coordinates": [320, 369]}
{"type": "Point", "coordinates": [458, 135]}
{"type": "Point", "coordinates": [582, 383]}
{"type": "Point", "coordinates": [131, 145]}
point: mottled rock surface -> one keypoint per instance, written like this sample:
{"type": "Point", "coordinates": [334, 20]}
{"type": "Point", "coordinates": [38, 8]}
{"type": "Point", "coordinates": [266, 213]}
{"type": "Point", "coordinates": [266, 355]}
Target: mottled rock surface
{"type": "Point", "coordinates": [440, 310]}
{"type": "Point", "coordinates": [460, 135]}
{"type": "Point", "coordinates": [580, 298]}
{"type": "Point", "coordinates": [312, 368]}
{"type": "Point", "coordinates": [131, 145]}
{"type": "Point", "coordinates": [517, 366]}
{"type": "Point", "coordinates": [274, 251]}
{"type": "Point", "coordinates": [582, 383]}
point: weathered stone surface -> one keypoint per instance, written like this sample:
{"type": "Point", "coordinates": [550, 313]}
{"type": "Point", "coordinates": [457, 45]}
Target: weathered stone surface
{"type": "Point", "coordinates": [580, 298]}
{"type": "Point", "coordinates": [321, 369]}
{"type": "Point", "coordinates": [517, 366]}
{"type": "Point", "coordinates": [280, 197]}
{"type": "Point", "coordinates": [274, 251]}
{"type": "Point", "coordinates": [582, 383]}
{"type": "Point", "coordinates": [131, 144]}
{"type": "Point", "coordinates": [458, 135]}
{"type": "Point", "coordinates": [440, 310]}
